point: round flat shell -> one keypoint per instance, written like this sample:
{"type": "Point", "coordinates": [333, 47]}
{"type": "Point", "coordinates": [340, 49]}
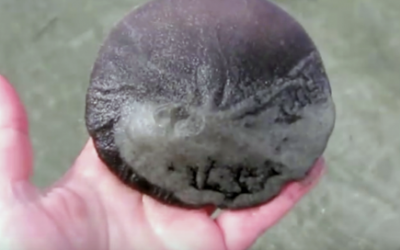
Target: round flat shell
{"type": "Point", "coordinates": [242, 90]}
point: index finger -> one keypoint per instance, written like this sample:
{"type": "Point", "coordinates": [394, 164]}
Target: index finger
{"type": "Point", "coordinates": [15, 147]}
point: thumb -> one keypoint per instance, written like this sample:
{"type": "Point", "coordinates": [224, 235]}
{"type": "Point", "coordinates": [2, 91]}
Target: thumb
{"type": "Point", "coordinates": [15, 145]}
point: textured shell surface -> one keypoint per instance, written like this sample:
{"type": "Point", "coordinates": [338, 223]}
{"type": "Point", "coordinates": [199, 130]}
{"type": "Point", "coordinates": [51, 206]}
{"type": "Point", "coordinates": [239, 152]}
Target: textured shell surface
{"type": "Point", "coordinates": [212, 102]}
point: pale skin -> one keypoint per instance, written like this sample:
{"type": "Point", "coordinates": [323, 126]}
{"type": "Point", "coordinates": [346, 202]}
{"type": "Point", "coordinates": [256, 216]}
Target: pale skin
{"type": "Point", "coordinates": [89, 208]}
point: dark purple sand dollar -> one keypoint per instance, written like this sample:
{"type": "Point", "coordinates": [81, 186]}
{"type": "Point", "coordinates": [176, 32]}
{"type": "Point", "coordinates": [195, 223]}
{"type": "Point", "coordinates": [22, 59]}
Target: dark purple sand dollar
{"type": "Point", "coordinates": [199, 102]}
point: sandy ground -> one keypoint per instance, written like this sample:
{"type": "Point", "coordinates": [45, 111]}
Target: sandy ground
{"type": "Point", "coordinates": [47, 48]}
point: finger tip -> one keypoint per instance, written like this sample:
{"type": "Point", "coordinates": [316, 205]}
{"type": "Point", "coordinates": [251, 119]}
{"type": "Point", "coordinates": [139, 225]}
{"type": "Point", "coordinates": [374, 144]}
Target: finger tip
{"type": "Point", "coordinates": [16, 151]}
{"type": "Point", "coordinates": [317, 171]}
{"type": "Point", "coordinates": [5, 85]}
{"type": "Point", "coordinates": [321, 163]}
{"type": "Point", "coordinates": [12, 110]}
{"type": "Point", "coordinates": [3, 79]}
{"type": "Point", "coordinates": [296, 190]}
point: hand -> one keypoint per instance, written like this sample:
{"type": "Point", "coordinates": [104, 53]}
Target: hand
{"type": "Point", "coordinates": [89, 209]}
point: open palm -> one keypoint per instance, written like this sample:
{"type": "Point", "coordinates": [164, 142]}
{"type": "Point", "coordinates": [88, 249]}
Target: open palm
{"type": "Point", "coordinates": [89, 209]}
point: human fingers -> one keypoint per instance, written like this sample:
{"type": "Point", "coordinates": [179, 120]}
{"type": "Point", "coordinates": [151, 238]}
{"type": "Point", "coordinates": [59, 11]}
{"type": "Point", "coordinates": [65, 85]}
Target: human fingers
{"type": "Point", "coordinates": [89, 166]}
{"type": "Point", "coordinates": [179, 228]}
{"type": "Point", "coordinates": [242, 228]}
{"type": "Point", "coordinates": [15, 145]}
